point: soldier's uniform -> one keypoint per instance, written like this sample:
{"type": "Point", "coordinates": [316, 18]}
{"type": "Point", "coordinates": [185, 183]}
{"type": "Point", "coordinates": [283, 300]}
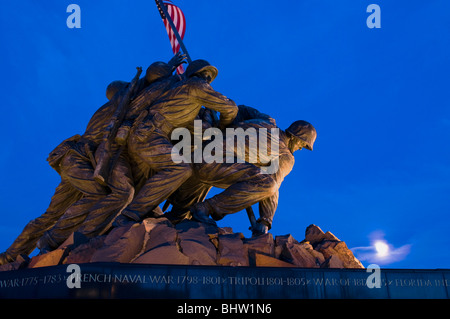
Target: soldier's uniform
{"type": "Point", "coordinates": [193, 191]}
{"type": "Point", "coordinates": [98, 202]}
{"type": "Point", "coordinates": [79, 202]}
{"type": "Point", "coordinates": [150, 142]}
{"type": "Point", "coordinates": [65, 196]}
{"type": "Point", "coordinates": [96, 210]}
{"type": "Point", "coordinates": [244, 183]}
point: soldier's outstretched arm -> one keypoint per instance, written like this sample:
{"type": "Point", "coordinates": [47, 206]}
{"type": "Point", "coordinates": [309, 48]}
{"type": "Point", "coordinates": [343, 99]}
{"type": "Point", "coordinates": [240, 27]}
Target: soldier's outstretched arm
{"type": "Point", "coordinates": [208, 97]}
{"type": "Point", "coordinates": [250, 113]}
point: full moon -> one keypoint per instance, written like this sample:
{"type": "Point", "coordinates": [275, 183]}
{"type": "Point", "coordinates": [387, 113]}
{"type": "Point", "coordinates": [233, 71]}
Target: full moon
{"type": "Point", "coordinates": [382, 248]}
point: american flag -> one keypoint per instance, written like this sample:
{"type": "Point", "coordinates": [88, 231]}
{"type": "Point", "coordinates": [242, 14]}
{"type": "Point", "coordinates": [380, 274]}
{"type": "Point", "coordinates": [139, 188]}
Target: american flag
{"type": "Point", "coordinates": [180, 23]}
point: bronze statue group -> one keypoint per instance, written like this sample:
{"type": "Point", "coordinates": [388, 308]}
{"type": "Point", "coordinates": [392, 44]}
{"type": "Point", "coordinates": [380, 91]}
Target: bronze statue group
{"type": "Point", "coordinates": [121, 169]}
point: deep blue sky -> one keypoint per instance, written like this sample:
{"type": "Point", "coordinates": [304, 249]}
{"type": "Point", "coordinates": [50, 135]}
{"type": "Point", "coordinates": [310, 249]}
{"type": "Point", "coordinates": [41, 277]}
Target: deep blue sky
{"type": "Point", "coordinates": [377, 97]}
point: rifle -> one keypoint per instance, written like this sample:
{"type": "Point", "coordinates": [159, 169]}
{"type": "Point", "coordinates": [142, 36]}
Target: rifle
{"type": "Point", "coordinates": [103, 152]}
{"type": "Point", "coordinates": [251, 216]}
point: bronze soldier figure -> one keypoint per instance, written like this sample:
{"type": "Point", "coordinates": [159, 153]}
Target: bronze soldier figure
{"type": "Point", "coordinates": [74, 159]}
{"type": "Point", "coordinates": [75, 164]}
{"type": "Point", "coordinates": [143, 174]}
{"type": "Point", "coordinates": [245, 184]}
{"type": "Point", "coordinates": [150, 144]}
{"type": "Point", "coordinates": [95, 211]}
{"type": "Point", "coordinates": [65, 196]}
{"type": "Point", "coordinates": [78, 167]}
{"type": "Point", "coordinates": [193, 190]}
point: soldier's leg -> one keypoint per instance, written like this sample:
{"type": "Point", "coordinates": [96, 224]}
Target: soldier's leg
{"type": "Point", "coordinates": [245, 185]}
{"type": "Point", "coordinates": [65, 195]}
{"type": "Point", "coordinates": [166, 178]}
{"type": "Point", "coordinates": [106, 209]}
{"type": "Point", "coordinates": [267, 209]}
{"type": "Point", "coordinates": [79, 172]}
{"type": "Point", "coordinates": [191, 192]}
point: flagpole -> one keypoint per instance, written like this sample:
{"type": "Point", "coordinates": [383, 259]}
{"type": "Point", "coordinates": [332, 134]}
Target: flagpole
{"type": "Point", "coordinates": [163, 11]}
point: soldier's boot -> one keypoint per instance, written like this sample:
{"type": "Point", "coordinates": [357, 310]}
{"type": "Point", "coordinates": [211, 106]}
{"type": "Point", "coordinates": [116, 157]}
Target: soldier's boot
{"type": "Point", "coordinates": [122, 220]}
{"type": "Point", "coordinates": [259, 229]}
{"type": "Point", "coordinates": [5, 259]}
{"type": "Point", "coordinates": [200, 212]}
{"type": "Point", "coordinates": [46, 244]}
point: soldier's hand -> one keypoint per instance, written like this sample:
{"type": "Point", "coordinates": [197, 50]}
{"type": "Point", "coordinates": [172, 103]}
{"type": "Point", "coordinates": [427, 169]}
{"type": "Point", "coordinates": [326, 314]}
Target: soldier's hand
{"type": "Point", "coordinates": [177, 59]}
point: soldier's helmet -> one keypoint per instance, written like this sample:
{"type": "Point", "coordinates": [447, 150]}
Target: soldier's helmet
{"type": "Point", "coordinates": [158, 70]}
{"type": "Point", "coordinates": [200, 65]}
{"type": "Point", "coordinates": [114, 87]}
{"type": "Point", "coordinates": [303, 131]}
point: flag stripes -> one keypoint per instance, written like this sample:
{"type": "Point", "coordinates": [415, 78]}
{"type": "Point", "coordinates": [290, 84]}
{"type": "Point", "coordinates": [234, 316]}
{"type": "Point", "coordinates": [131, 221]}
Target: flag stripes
{"type": "Point", "coordinates": [180, 23]}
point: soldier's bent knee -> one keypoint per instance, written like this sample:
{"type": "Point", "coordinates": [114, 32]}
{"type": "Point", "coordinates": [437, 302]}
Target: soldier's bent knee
{"type": "Point", "coordinates": [267, 183]}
